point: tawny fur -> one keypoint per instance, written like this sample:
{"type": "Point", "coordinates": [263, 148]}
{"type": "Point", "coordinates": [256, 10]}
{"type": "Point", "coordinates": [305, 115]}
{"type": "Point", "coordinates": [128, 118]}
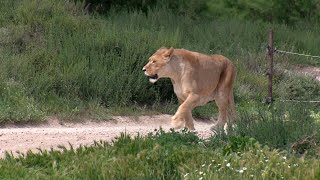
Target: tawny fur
{"type": "Point", "coordinates": [197, 79]}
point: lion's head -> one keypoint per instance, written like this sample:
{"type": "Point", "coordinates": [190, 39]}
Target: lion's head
{"type": "Point", "coordinates": [157, 66]}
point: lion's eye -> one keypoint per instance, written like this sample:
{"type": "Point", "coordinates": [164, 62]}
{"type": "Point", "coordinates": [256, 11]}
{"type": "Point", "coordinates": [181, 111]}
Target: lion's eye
{"type": "Point", "coordinates": [153, 62]}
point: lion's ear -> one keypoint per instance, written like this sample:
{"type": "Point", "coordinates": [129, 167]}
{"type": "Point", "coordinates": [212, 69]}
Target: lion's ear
{"type": "Point", "coordinates": [169, 52]}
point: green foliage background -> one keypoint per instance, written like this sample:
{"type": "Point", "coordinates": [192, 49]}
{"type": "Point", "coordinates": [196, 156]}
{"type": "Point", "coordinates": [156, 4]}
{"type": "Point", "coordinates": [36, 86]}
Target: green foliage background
{"type": "Point", "coordinates": [84, 58]}
{"type": "Point", "coordinates": [66, 59]}
{"type": "Point", "coordinates": [281, 11]}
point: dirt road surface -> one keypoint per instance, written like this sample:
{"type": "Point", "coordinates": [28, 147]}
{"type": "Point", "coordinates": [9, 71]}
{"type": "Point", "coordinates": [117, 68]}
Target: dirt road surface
{"type": "Point", "coordinates": [53, 133]}
{"type": "Point", "coordinates": [308, 70]}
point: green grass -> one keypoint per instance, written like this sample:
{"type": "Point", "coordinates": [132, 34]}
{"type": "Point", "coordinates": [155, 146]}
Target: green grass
{"type": "Point", "coordinates": [16, 106]}
{"type": "Point", "coordinates": [66, 60]}
{"type": "Point", "coordinates": [287, 126]}
{"type": "Point", "coordinates": [57, 60]}
{"type": "Point", "coordinates": [163, 155]}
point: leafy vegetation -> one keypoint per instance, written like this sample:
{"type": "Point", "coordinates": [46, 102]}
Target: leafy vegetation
{"type": "Point", "coordinates": [287, 126]}
{"type": "Point", "coordinates": [68, 62]}
{"type": "Point", "coordinates": [282, 11]}
{"type": "Point", "coordinates": [84, 58]}
{"type": "Point", "coordinates": [162, 155]}
{"type": "Point", "coordinates": [16, 106]}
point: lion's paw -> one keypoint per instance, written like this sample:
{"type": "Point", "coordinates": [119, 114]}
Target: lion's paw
{"type": "Point", "coordinates": [177, 123]}
{"type": "Point", "coordinates": [219, 126]}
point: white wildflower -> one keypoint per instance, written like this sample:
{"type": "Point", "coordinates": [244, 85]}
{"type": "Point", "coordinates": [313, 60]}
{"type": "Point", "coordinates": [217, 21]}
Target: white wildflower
{"type": "Point", "coordinates": [186, 175]}
{"type": "Point", "coordinates": [244, 168]}
{"type": "Point", "coordinates": [228, 165]}
{"type": "Point", "coordinates": [203, 165]}
{"type": "Point", "coordinates": [284, 157]}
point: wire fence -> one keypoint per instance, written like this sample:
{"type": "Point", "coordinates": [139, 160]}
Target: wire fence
{"type": "Point", "coordinates": [299, 101]}
{"type": "Point", "coordinates": [298, 54]}
{"type": "Point", "coordinates": [270, 51]}
{"type": "Point", "coordinates": [293, 53]}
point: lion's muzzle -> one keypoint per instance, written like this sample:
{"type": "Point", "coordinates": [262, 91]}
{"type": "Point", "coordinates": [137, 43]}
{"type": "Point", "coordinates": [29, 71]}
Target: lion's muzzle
{"type": "Point", "coordinates": [152, 78]}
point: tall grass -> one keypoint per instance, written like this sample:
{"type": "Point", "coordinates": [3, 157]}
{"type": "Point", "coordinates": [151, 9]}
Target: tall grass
{"type": "Point", "coordinates": [65, 59]}
{"type": "Point", "coordinates": [283, 125]}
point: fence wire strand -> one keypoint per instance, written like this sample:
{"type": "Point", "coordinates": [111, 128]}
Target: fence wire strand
{"type": "Point", "coordinates": [299, 101]}
{"type": "Point", "coordinates": [293, 53]}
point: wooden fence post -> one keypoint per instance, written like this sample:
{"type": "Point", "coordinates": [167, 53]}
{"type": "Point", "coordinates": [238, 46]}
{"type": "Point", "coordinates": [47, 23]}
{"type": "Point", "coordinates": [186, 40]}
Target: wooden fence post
{"type": "Point", "coordinates": [270, 72]}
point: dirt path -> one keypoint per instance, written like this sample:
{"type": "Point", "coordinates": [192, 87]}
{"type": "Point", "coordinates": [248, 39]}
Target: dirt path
{"type": "Point", "coordinates": [54, 133]}
{"type": "Point", "coordinates": [308, 70]}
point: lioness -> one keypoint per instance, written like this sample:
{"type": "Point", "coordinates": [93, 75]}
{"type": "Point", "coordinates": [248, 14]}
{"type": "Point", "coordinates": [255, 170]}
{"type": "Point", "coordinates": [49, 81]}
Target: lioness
{"type": "Point", "coordinates": [197, 79]}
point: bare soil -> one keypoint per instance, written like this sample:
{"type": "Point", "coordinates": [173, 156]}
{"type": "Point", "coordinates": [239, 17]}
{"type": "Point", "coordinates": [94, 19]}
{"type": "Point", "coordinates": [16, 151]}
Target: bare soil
{"type": "Point", "coordinates": [15, 138]}
{"type": "Point", "coordinates": [308, 70]}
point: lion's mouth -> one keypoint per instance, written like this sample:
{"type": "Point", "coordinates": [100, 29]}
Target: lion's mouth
{"type": "Point", "coordinates": [153, 78]}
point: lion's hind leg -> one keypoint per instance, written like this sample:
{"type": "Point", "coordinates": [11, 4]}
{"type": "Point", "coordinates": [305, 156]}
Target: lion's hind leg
{"type": "Point", "coordinates": [224, 96]}
{"type": "Point", "coordinates": [189, 122]}
{"type": "Point", "coordinates": [231, 108]}
{"type": "Point", "coordinates": [222, 103]}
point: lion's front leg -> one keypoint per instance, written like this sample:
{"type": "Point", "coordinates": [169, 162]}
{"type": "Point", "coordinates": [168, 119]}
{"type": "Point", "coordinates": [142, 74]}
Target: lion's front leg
{"type": "Point", "coordinates": [183, 116]}
{"type": "Point", "coordinates": [178, 121]}
{"type": "Point", "coordinates": [182, 119]}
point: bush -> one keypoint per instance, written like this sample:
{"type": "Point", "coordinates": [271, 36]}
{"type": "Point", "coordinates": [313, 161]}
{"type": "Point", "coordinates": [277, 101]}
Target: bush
{"type": "Point", "coordinates": [190, 8]}
{"type": "Point", "coordinates": [281, 11]}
